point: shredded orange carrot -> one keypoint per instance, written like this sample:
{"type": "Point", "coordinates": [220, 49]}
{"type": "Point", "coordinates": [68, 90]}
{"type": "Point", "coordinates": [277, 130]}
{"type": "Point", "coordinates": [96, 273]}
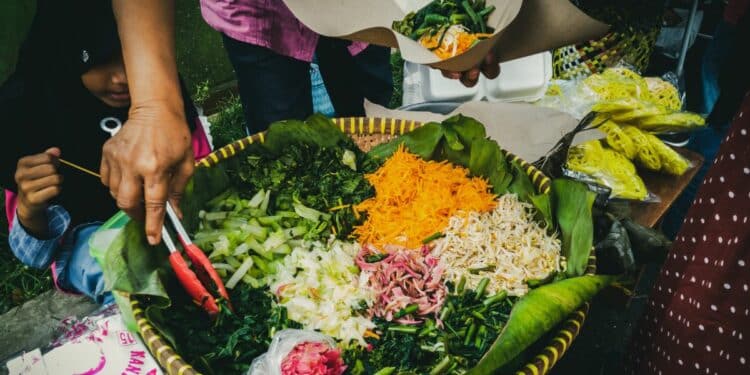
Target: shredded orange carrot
{"type": "Point", "coordinates": [455, 42]}
{"type": "Point", "coordinates": [415, 198]}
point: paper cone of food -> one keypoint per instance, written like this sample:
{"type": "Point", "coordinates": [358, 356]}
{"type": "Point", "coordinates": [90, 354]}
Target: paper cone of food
{"type": "Point", "coordinates": [451, 34]}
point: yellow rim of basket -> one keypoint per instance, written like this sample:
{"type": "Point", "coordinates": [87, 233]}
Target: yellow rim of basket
{"type": "Point", "coordinates": [540, 365]}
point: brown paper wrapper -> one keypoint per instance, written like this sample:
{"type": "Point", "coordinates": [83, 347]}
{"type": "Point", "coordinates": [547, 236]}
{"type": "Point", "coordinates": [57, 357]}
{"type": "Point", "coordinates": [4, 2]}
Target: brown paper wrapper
{"type": "Point", "coordinates": [522, 27]}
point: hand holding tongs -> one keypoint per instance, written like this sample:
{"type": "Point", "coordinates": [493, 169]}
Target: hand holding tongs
{"type": "Point", "coordinates": [198, 284]}
{"type": "Point", "coordinates": [204, 280]}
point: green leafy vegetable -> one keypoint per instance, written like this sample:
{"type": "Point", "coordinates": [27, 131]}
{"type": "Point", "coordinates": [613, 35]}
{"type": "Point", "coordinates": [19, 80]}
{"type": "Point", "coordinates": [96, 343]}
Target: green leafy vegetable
{"type": "Point", "coordinates": [461, 140]}
{"type": "Point", "coordinates": [229, 344]}
{"type": "Point", "coordinates": [311, 180]}
{"type": "Point", "coordinates": [470, 324]}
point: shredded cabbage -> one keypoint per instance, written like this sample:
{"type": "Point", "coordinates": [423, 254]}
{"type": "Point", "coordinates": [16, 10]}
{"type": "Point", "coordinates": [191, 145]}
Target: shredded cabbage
{"type": "Point", "coordinates": [505, 245]}
{"type": "Point", "coordinates": [322, 289]}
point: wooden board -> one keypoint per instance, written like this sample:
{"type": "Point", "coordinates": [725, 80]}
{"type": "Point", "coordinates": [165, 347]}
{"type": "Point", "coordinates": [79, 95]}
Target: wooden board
{"type": "Point", "coordinates": [667, 188]}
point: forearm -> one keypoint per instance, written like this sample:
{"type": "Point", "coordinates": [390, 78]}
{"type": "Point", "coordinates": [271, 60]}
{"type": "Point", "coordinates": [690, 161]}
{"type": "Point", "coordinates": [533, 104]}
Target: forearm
{"type": "Point", "coordinates": [146, 29]}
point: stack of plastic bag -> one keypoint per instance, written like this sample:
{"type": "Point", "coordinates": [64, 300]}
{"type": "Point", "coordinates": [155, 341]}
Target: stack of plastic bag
{"type": "Point", "coordinates": [630, 110]}
{"type": "Point", "coordinates": [610, 161]}
{"type": "Point", "coordinates": [651, 104]}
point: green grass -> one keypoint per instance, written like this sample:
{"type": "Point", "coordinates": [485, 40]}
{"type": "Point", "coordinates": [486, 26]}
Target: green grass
{"type": "Point", "coordinates": [15, 20]}
{"type": "Point", "coordinates": [397, 67]}
{"type": "Point", "coordinates": [18, 283]}
{"type": "Point", "coordinates": [228, 125]}
{"type": "Point", "coordinates": [200, 53]}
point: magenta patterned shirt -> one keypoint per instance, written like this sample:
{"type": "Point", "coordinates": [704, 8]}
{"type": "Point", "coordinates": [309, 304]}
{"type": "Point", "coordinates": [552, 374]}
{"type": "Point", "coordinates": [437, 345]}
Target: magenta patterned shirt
{"type": "Point", "coordinates": [265, 23]}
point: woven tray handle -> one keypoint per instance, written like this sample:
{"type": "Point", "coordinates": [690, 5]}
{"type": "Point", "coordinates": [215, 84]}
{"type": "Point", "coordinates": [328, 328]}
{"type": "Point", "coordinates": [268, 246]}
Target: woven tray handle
{"type": "Point", "coordinates": [159, 348]}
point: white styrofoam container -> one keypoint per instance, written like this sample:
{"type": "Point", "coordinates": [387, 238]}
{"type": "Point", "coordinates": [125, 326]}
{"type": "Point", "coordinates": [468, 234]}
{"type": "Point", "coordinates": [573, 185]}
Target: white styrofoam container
{"type": "Point", "coordinates": [523, 79]}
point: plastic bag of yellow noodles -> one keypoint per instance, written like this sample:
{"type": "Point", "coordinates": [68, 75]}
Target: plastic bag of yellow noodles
{"type": "Point", "coordinates": [651, 104]}
{"type": "Point", "coordinates": [606, 167]}
{"type": "Point", "coordinates": [649, 146]}
{"type": "Point", "coordinates": [648, 150]}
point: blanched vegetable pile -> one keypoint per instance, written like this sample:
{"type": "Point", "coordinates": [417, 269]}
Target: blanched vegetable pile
{"type": "Point", "coordinates": [448, 27]}
{"type": "Point", "coordinates": [303, 240]}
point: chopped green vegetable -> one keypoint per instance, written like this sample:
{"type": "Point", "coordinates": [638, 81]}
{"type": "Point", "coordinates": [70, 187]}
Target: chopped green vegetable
{"type": "Point", "coordinates": [317, 183]}
{"type": "Point", "coordinates": [240, 273]}
{"type": "Point", "coordinates": [411, 309]}
{"type": "Point", "coordinates": [441, 13]}
{"type": "Point", "coordinates": [432, 237]}
{"type": "Point", "coordinates": [230, 343]}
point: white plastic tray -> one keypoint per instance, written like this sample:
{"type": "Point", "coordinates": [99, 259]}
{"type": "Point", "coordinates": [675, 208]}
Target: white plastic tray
{"type": "Point", "coordinates": [523, 79]}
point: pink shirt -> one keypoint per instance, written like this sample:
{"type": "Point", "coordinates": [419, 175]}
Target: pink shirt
{"type": "Point", "coordinates": [265, 23]}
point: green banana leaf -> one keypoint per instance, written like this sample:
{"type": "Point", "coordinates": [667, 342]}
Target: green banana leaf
{"type": "Point", "coordinates": [315, 130]}
{"type": "Point", "coordinates": [572, 203]}
{"type": "Point", "coordinates": [422, 141]}
{"type": "Point", "coordinates": [535, 315]}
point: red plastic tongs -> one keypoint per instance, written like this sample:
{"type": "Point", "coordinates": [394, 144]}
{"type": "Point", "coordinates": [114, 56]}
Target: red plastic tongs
{"type": "Point", "coordinates": [195, 283]}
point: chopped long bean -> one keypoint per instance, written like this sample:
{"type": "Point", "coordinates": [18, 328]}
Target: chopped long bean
{"type": "Point", "coordinates": [499, 297]}
{"type": "Point", "coordinates": [470, 334]}
{"type": "Point", "coordinates": [442, 366]}
{"type": "Point", "coordinates": [411, 309]}
{"type": "Point", "coordinates": [403, 329]}
{"type": "Point", "coordinates": [482, 287]}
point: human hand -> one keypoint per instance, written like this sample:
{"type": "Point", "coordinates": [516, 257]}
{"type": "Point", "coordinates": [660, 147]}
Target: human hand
{"type": "Point", "coordinates": [38, 183]}
{"type": "Point", "coordinates": [149, 161]}
{"type": "Point", "coordinates": [490, 67]}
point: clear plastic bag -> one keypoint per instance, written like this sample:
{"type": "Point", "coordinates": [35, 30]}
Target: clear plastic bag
{"type": "Point", "coordinates": [591, 162]}
{"type": "Point", "coordinates": [655, 155]}
{"type": "Point", "coordinates": [653, 104]}
{"type": "Point", "coordinates": [281, 345]}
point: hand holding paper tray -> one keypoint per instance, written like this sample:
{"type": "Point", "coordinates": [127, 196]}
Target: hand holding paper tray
{"type": "Point", "coordinates": [521, 27]}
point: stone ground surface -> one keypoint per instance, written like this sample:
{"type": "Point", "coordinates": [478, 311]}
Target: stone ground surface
{"type": "Point", "coordinates": [33, 325]}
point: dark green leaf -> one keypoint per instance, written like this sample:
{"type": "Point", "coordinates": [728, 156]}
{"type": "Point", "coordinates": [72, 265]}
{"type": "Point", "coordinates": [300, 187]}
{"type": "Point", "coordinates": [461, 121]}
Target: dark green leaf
{"type": "Point", "coordinates": [422, 141]}
{"type": "Point", "coordinates": [649, 245]}
{"type": "Point", "coordinates": [316, 130]}
{"type": "Point", "coordinates": [542, 202]}
{"type": "Point", "coordinates": [521, 185]}
{"type": "Point", "coordinates": [487, 160]}
{"type": "Point", "coordinates": [572, 203]}
{"type": "Point", "coordinates": [614, 254]}
{"type": "Point", "coordinates": [451, 139]}
{"type": "Point", "coordinates": [467, 128]}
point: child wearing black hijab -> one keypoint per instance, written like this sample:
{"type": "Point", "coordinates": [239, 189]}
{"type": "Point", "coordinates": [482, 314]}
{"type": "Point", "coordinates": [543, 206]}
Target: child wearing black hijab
{"type": "Point", "coordinates": [67, 95]}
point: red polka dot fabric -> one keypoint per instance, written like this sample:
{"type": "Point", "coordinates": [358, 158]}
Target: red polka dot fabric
{"type": "Point", "coordinates": [697, 319]}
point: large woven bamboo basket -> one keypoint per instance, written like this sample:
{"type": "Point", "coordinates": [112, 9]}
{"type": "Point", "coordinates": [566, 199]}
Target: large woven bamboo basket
{"type": "Point", "coordinates": [366, 132]}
